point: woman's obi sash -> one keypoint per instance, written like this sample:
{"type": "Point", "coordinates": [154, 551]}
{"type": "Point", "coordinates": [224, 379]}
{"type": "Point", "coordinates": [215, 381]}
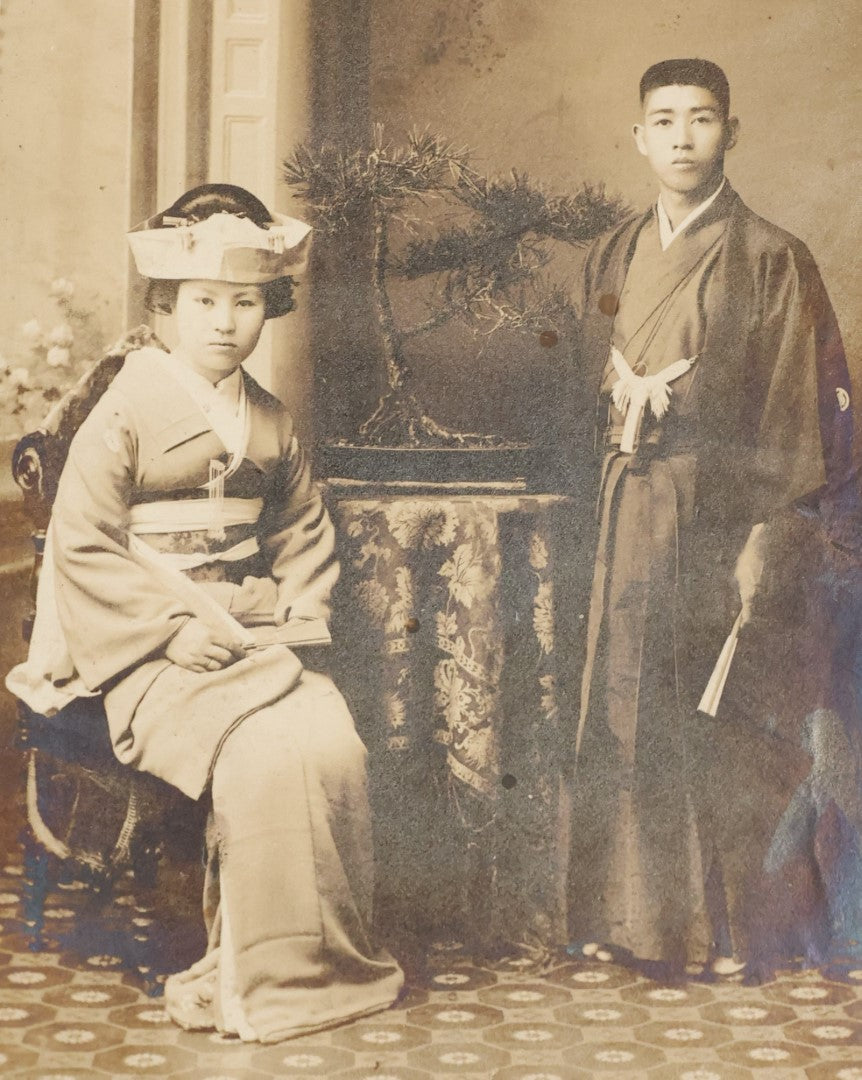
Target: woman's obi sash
{"type": "Point", "coordinates": [194, 515]}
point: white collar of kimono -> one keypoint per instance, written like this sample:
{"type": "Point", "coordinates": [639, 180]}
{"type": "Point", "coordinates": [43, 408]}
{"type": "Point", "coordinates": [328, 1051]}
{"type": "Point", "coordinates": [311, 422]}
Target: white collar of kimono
{"type": "Point", "coordinates": [223, 404]}
{"type": "Point", "coordinates": [667, 233]}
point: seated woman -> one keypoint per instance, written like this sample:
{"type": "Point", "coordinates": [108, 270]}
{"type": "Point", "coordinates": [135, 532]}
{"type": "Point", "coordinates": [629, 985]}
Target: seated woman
{"type": "Point", "coordinates": [187, 537]}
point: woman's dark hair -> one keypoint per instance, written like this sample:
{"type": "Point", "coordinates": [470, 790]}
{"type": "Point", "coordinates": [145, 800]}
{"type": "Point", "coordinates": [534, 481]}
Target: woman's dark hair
{"type": "Point", "coordinates": [199, 204]}
{"type": "Point", "coordinates": [278, 298]}
{"type": "Point", "coordinates": [208, 199]}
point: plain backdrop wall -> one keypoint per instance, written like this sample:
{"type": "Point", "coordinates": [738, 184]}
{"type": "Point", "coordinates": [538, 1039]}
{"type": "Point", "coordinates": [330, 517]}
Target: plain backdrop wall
{"type": "Point", "coordinates": [65, 99]}
{"type": "Point", "coordinates": [550, 87]}
{"type": "Point", "coordinates": [547, 86]}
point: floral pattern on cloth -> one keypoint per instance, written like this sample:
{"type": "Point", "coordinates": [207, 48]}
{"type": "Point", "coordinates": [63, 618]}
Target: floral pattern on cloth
{"type": "Point", "coordinates": [448, 610]}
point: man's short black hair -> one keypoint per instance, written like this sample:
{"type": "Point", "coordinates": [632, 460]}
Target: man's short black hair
{"type": "Point", "coordinates": [694, 72]}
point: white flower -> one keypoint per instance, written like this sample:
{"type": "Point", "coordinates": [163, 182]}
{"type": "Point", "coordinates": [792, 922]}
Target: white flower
{"type": "Point", "coordinates": [396, 711]}
{"type": "Point", "coordinates": [302, 1061]}
{"type": "Point", "coordinates": [532, 1035]}
{"type": "Point", "coordinates": [459, 1057]}
{"type": "Point", "coordinates": [75, 1036]}
{"type": "Point", "coordinates": [520, 961]}
{"type": "Point", "coordinates": [447, 624]}
{"type": "Point", "coordinates": [832, 1031]}
{"type": "Point", "coordinates": [27, 978]}
{"type": "Point", "coordinates": [468, 580]}
{"type": "Point", "coordinates": [543, 616]}
{"type": "Point", "coordinates": [58, 357]}
{"type": "Point", "coordinates": [381, 1037]}
{"type": "Point", "coordinates": [452, 693]}
{"type": "Point", "coordinates": [601, 1015]}
{"type": "Point", "coordinates": [7, 1015]}
{"type": "Point", "coordinates": [747, 1012]}
{"type": "Point", "coordinates": [667, 993]}
{"type": "Point", "coordinates": [456, 1016]}
{"type": "Point", "coordinates": [154, 1016]}
{"type": "Point", "coordinates": [62, 335]}
{"type": "Point", "coordinates": [32, 331]}
{"type": "Point", "coordinates": [62, 288]}
{"type": "Point", "coordinates": [590, 976]}
{"type": "Point", "coordinates": [538, 552]}
{"type": "Point", "coordinates": [373, 598]}
{"type": "Point", "coordinates": [768, 1053]}
{"type": "Point", "coordinates": [614, 1057]}
{"type": "Point", "coordinates": [105, 960]}
{"type": "Point", "coordinates": [90, 997]}
{"type": "Point", "coordinates": [422, 527]}
{"type": "Point", "coordinates": [20, 376]}
{"type": "Point", "coordinates": [809, 993]}
{"type": "Point", "coordinates": [549, 697]}
{"type": "Point", "coordinates": [400, 613]}
{"type": "Point", "coordinates": [144, 1061]}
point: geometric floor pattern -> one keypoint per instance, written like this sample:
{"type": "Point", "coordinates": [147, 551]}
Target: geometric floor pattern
{"type": "Point", "coordinates": [67, 1013]}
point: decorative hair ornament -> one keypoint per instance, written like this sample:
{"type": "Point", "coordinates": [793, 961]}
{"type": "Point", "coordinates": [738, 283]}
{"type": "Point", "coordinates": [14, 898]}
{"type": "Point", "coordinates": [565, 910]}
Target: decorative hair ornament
{"type": "Point", "coordinates": [222, 247]}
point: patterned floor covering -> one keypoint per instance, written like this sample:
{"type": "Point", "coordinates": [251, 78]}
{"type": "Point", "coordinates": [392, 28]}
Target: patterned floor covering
{"type": "Point", "coordinates": [74, 1010]}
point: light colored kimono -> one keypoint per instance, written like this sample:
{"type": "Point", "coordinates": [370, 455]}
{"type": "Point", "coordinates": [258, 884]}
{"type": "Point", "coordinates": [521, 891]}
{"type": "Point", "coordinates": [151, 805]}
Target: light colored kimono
{"type": "Point", "coordinates": [175, 503]}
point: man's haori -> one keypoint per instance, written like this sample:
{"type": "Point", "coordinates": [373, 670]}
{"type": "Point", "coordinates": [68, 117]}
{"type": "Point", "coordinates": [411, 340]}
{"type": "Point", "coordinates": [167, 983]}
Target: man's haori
{"type": "Point", "coordinates": [723, 402]}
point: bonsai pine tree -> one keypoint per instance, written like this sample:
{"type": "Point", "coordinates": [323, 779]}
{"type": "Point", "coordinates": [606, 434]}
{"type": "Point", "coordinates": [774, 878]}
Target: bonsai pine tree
{"type": "Point", "coordinates": [488, 269]}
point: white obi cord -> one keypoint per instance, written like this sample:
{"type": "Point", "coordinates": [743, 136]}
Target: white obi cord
{"type": "Point", "coordinates": [630, 393]}
{"type": "Point", "coordinates": [229, 418]}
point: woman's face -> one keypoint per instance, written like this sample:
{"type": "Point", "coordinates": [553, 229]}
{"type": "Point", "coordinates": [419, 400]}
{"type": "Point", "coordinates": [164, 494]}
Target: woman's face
{"type": "Point", "coordinates": [218, 324]}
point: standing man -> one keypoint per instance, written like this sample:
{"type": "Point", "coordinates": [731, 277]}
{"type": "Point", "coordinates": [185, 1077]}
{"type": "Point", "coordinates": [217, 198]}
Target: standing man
{"type": "Point", "coordinates": [724, 413]}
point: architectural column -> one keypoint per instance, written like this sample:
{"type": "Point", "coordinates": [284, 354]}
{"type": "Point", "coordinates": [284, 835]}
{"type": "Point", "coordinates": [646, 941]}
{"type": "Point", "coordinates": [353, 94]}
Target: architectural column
{"type": "Point", "coordinates": [183, 97]}
{"type": "Point", "coordinates": [258, 110]}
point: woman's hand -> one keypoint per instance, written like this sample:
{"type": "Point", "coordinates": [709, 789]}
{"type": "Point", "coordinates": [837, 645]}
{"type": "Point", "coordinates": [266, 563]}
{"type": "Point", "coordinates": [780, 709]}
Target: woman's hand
{"type": "Point", "coordinates": [198, 647]}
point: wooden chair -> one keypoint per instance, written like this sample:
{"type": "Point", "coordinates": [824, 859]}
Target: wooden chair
{"type": "Point", "coordinates": [88, 818]}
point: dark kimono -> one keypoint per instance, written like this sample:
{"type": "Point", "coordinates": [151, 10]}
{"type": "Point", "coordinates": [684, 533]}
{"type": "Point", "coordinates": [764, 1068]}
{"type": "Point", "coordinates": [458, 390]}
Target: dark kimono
{"type": "Point", "coordinates": [758, 422]}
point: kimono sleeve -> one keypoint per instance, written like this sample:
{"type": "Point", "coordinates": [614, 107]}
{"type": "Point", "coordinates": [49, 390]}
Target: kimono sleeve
{"type": "Point", "coordinates": [112, 612]}
{"type": "Point", "coordinates": [805, 433]}
{"type": "Point", "coordinates": [297, 534]}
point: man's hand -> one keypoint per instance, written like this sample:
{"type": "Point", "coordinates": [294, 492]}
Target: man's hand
{"type": "Point", "coordinates": [749, 567]}
{"type": "Point", "coordinates": [198, 647]}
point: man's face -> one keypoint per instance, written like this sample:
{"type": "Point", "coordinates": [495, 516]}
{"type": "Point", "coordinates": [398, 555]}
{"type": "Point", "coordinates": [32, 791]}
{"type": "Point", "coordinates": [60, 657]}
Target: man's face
{"type": "Point", "coordinates": [684, 136]}
{"type": "Point", "coordinates": [218, 325]}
